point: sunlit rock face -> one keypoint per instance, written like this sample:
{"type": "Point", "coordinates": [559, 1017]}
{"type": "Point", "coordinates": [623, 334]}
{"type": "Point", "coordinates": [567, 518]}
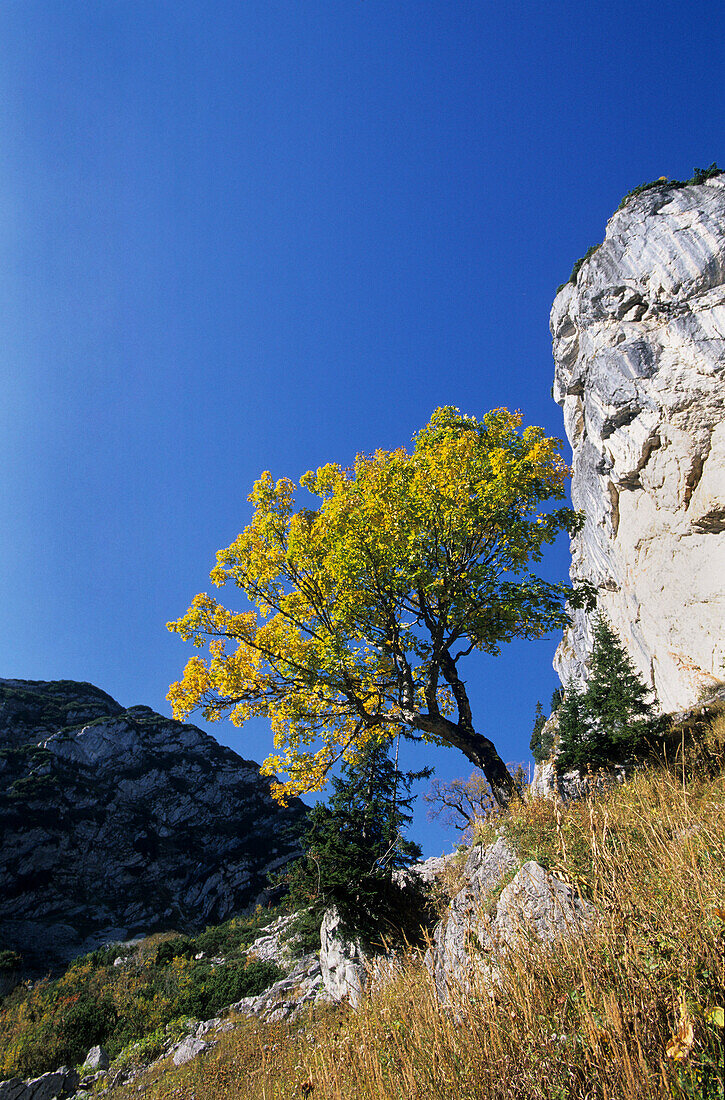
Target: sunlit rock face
{"type": "Point", "coordinates": [639, 347]}
{"type": "Point", "coordinates": [121, 822]}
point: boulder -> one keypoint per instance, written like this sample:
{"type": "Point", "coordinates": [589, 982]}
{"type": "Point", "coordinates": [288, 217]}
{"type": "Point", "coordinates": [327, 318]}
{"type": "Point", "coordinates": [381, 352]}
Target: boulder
{"type": "Point", "coordinates": [96, 1059]}
{"type": "Point", "coordinates": [189, 1048]}
{"type": "Point", "coordinates": [286, 998]}
{"type": "Point", "coordinates": [537, 903]}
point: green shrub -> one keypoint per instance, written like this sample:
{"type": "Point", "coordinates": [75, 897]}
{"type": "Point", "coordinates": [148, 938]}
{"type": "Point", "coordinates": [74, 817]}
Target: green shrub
{"type": "Point", "coordinates": [213, 988]}
{"type": "Point", "coordinates": [178, 947]}
{"type": "Point", "coordinates": [83, 1025]}
{"type": "Point", "coordinates": [699, 175]}
{"type": "Point", "coordinates": [56, 1022]}
{"type": "Point", "coordinates": [10, 960]}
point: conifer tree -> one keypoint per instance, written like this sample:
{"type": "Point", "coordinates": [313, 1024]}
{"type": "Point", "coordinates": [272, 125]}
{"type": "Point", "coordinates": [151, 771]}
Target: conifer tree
{"type": "Point", "coordinates": [355, 844]}
{"type": "Point", "coordinates": [577, 748]}
{"type": "Point", "coordinates": [612, 720]}
{"type": "Point", "coordinates": [540, 745]}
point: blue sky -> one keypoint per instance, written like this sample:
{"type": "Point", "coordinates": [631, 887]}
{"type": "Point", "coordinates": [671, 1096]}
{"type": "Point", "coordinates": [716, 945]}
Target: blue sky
{"type": "Point", "coordinates": [267, 235]}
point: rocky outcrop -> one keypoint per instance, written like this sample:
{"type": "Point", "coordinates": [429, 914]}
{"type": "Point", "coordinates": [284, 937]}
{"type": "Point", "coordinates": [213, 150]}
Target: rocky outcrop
{"type": "Point", "coordinates": [342, 961]}
{"type": "Point", "coordinates": [118, 822]}
{"type": "Point", "coordinates": [478, 926]}
{"type": "Point", "coordinates": [449, 955]}
{"type": "Point", "coordinates": [51, 1086]}
{"type": "Point", "coordinates": [639, 347]}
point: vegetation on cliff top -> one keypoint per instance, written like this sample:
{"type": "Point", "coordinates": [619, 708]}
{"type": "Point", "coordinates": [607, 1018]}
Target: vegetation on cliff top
{"type": "Point", "coordinates": [699, 175]}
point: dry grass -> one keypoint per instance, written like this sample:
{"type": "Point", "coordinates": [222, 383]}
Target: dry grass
{"type": "Point", "coordinates": [595, 1019]}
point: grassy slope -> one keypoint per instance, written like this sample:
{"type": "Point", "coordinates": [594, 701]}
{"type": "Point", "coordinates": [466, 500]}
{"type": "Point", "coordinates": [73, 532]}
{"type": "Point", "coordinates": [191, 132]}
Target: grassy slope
{"type": "Point", "coordinates": [628, 1010]}
{"type": "Point", "coordinates": [595, 1018]}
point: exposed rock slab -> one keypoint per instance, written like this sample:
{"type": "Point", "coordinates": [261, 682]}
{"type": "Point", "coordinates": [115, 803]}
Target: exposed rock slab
{"type": "Point", "coordinates": [477, 928]}
{"type": "Point", "coordinates": [121, 822]}
{"type": "Point", "coordinates": [639, 347]}
{"type": "Point", "coordinates": [57, 1085]}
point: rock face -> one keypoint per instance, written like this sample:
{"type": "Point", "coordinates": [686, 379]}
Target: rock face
{"type": "Point", "coordinates": [639, 347]}
{"type": "Point", "coordinates": [342, 961]}
{"type": "Point", "coordinates": [120, 822]}
{"type": "Point", "coordinates": [477, 929]}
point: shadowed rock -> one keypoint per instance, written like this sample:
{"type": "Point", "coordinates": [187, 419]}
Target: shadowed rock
{"type": "Point", "coordinates": [121, 822]}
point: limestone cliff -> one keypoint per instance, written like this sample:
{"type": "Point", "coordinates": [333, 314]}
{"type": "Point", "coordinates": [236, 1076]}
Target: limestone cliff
{"type": "Point", "coordinates": [639, 347]}
{"type": "Point", "coordinates": [117, 822]}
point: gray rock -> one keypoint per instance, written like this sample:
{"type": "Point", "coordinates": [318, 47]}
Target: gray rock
{"type": "Point", "coordinates": [13, 1089]}
{"type": "Point", "coordinates": [639, 347]}
{"type": "Point", "coordinates": [96, 1059]}
{"type": "Point", "coordinates": [286, 999]}
{"type": "Point", "coordinates": [124, 822]}
{"type": "Point", "coordinates": [538, 904]}
{"type": "Point", "coordinates": [476, 930]}
{"type": "Point", "coordinates": [342, 961]}
{"type": "Point", "coordinates": [57, 1085]}
{"type": "Point", "coordinates": [466, 923]}
{"type": "Point", "coordinates": [191, 1047]}
{"type": "Point", "coordinates": [428, 870]}
{"type": "Point", "coordinates": [271, 944]}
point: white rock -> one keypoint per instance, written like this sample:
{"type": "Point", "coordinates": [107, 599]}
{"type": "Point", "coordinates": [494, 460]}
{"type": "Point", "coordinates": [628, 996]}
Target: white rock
{"type": "Point", "coordinates": [475, 933]}
{"type": "Point", "coordinates": [191, 1047]}
{"type": "Point", "coordinates": [538, 904]}
{"type": "Point", "coordinates": [342, 961]}
{"type": "Point", "coordinates": [639, 347]}
{"type": "Point", "coordinates": [96, 1059]}
{"type": "Point", "coordinates": [449, 957]}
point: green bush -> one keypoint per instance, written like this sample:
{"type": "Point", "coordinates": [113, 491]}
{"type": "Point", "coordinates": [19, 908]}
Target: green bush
{"type": "Point", "coordinates": [10, 960]}
{"type": "Point", "coordinates": [83, 1025]}
{"type": "Point", "coordinates": [699, 175]}
{"type": "Point", "coordinates": [213, 988]}
{"type": "Point", "coordinates": [178, 947]}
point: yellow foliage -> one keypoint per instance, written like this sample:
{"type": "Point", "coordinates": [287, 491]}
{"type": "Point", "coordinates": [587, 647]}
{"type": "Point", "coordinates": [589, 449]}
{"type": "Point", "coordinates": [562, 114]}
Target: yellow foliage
{"type": "Point", "coordinates": [356, 606]}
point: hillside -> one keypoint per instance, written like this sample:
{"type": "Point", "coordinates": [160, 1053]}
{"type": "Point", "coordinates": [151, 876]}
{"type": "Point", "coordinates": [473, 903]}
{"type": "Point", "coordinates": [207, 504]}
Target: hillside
{"type": "Point", "coordinates": [628, 1005]}
{"type": "Point", "coordinates": [120, 822]}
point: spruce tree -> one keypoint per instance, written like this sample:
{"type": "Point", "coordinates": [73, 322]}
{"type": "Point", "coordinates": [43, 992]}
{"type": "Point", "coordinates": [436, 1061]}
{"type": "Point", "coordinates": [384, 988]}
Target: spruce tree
{"type": "Point", "coordinates": [540, 746]}
{"type": "Point", "coordinates": [353, 847]}
{"type": "Point", "coordinates": [612, 720]}
{"type": "Point", "coordinates": [576, 746]}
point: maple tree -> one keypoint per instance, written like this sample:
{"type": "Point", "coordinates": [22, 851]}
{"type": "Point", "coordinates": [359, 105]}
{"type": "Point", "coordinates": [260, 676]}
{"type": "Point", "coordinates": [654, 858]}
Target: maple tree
{"type": "Point", "coordinates": [361, 609]}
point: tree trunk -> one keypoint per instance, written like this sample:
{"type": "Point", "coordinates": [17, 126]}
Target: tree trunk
{"type": "Point", "coordinates": [482, 752]}
{"type": "Point", "coordinates": [479, 750]}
